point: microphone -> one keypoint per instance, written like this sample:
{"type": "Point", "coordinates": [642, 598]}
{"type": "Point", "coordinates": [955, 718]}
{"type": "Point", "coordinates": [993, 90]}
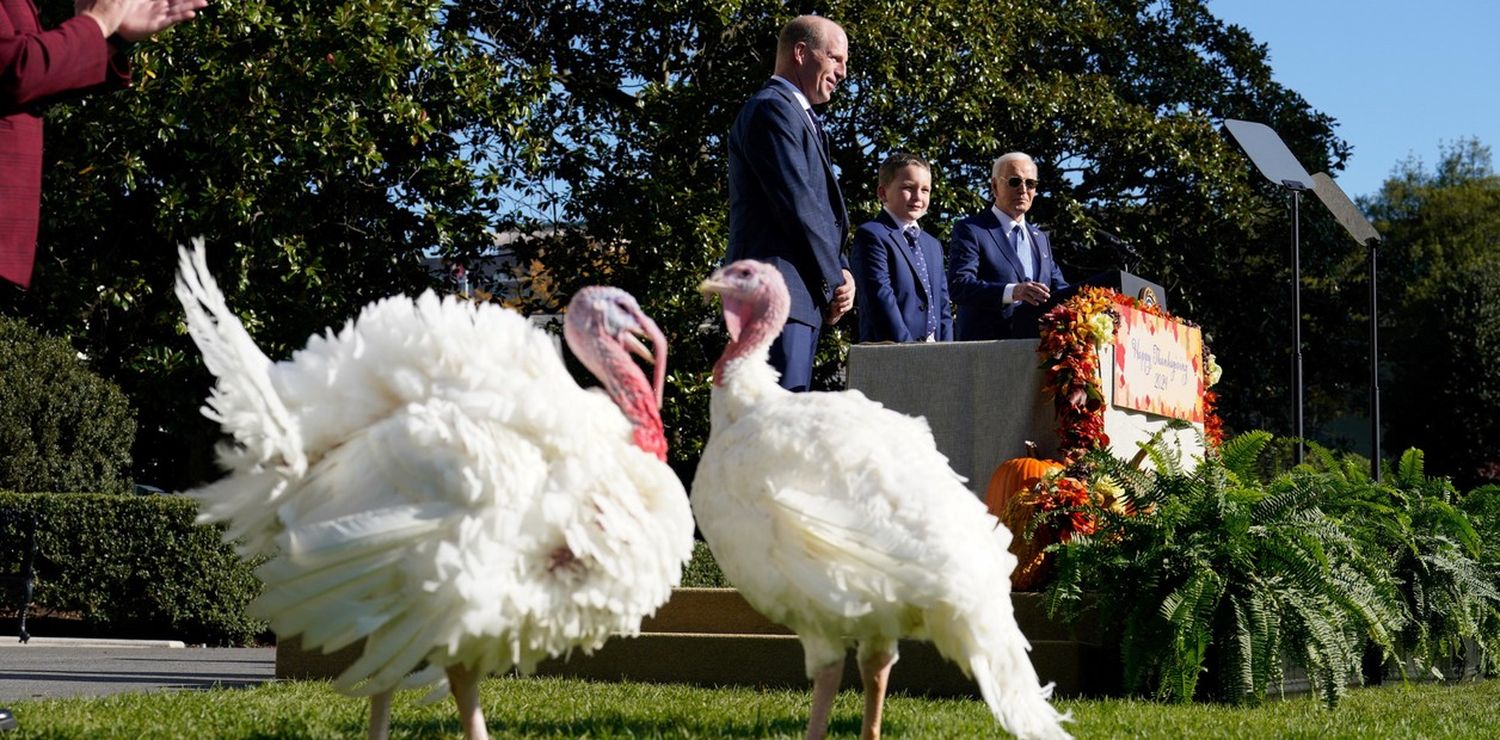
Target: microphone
{"type": "Point", "coordinates": [1125, 249]}
{"type": "Point", "coordinates": [1120, 245]}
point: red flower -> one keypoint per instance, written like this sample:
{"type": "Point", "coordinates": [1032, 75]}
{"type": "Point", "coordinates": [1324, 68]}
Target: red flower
{"type": "Point", "coordinates": [1072, 496]}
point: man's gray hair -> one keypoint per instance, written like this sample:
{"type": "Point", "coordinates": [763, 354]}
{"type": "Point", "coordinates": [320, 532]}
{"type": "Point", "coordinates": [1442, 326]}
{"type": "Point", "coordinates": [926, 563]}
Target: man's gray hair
{"type": "Point", "coordinates": [1009, 157]}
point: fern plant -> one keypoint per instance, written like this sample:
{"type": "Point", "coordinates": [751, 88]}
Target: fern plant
{"type": "Point", "coordinates": [1447, 585]}
{"type": "Point", "coordinates": [1220, 574]}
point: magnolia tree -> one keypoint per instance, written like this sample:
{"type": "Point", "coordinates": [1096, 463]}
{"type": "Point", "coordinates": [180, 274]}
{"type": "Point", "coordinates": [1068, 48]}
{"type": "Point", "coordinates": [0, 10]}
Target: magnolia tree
{"type": "Point", "coordinates": [321, 151]}
{"type": "Point", "coordinates": [324, 151]}
{"type": "Point", "coordinates": [1118, 101]}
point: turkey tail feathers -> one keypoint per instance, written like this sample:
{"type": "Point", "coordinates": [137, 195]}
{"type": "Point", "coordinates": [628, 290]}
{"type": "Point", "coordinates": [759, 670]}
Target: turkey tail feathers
{"type": "Point", "coordinates": [1008, 684]}
{"type": "Point", "coordinates": [244, 402]}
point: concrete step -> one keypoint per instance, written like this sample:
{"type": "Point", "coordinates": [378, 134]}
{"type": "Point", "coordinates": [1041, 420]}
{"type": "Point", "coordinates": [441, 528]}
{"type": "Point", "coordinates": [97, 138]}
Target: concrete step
{"type": "Point", "coordinates": [776, 661]}
{"type": "Point", "coordinates": [767, 661]}
{"type": "Point", "coordinates": [711, 637]}
{"type": "Point", "coordinates": [724, 611]}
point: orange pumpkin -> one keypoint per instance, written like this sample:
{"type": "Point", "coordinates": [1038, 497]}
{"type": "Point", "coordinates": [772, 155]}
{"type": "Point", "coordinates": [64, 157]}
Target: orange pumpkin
{"type": "Point", "coordinates": [1012, 477]}
{"type": "Point", "coordinates": [1011, 499]}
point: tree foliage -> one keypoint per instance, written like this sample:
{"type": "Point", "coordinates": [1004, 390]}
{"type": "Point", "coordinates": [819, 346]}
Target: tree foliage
{"type": "Point", "coordinates": [321, 148]}
{"type": "Point", "coordinates": [324, 148]}
{"type": "Point", "coordinates": [1118, 101]}
{"type": "Point", "coordinates": [1441, 281]}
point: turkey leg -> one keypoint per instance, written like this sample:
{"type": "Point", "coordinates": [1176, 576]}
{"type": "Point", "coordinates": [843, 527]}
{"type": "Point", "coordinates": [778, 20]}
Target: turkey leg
{"type": "Point", "coordinates": [825, 688]}
{"type": "Point", "coordinates": [465, 687]}
{"type": "Point", "coordinates": [380, 715]}
{"type": "Point", "coordinates": [874, 672]}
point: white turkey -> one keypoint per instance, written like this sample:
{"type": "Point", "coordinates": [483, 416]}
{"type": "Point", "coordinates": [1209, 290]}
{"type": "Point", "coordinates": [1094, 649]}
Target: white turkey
{"type": "Point", "coordinates": [430, 480]}
{"type": "Point", "coordinates": [841, 520]}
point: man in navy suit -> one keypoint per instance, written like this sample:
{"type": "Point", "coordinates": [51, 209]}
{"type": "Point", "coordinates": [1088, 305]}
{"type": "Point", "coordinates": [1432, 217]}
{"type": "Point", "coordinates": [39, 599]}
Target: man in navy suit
{"type": "Point", "coordinates": [785, 207]}
{"type": "Point", "coordinates": [1001, 270]}
{"type": "Point", "coordinates": [898, 269]}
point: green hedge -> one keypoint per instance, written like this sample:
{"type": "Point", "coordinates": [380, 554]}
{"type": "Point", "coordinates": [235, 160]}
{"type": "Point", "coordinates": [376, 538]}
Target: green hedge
{"type": "Point", "coordinates": [133, 565]}
{"type": "Point", "coordinates": [62, 427]}
{"type": "Point", "coordinates": [701, 571]}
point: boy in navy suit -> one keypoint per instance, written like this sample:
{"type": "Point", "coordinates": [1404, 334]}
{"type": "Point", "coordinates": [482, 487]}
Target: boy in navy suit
{"type": "Point", "coordinates": [901, 287]}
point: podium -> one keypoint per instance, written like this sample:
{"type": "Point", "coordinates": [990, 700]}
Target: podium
{"type": "Point", "coordinates": [1121, 281]}
{"type": "Point", "coordinates": [1024, 320]}
{"type": "Point", "coordinates": [984, 401]}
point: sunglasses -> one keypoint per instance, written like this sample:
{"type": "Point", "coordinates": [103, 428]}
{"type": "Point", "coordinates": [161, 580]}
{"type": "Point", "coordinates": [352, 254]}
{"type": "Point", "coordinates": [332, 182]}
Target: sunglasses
{"type": "Point", "coordinates": [1015, 182]}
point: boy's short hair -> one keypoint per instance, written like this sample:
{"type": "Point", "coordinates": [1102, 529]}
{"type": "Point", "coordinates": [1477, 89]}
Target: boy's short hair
{"type": "Point", "coordinates": [896, 162]}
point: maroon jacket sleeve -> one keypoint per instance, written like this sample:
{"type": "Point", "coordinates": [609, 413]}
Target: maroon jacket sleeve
{"type": "Point", "coordinates": [38, 66]}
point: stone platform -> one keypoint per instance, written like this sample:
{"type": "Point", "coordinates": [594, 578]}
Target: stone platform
{"type": "Point", "coordinates": [711, 637]}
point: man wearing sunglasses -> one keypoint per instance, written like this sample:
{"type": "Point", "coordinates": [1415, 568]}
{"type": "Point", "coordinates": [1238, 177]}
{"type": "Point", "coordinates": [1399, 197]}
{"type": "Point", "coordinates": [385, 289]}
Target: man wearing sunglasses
{"type": "Point", "coordinates": [1000, 268]}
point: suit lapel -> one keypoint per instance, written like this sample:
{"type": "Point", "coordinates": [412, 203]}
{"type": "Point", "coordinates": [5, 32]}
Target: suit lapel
{"type": "Point", "coordinates": [1002, 244]}
{"type": "Point", "coordinates": [897, 242]}
{"type": "Point", "coordinates": [1038, 258]}
{"type": "Point", "coordinates": [821, 144]}
{"type": "Point", "coordinates": [927, 256]}
{"type": "Point", "coordinates": [833, 182]}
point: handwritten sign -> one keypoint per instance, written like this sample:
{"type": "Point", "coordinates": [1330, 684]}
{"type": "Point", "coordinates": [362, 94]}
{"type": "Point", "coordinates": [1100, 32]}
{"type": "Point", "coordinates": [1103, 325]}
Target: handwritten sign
{"type": "Point", "coordinates": [1158, 366]}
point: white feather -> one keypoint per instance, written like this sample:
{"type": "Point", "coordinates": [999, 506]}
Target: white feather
{"type": "Point", "coordinates": [840, 519]}
{"type": "Point", "coordinates": [430, 479]}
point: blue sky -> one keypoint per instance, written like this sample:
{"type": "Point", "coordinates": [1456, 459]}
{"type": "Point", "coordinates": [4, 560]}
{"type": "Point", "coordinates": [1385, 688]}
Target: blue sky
{"type": "Point", "coordinates": [1401, 78]}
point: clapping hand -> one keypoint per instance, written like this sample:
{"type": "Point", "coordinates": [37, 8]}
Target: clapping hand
{"type": "Point", "coordinates": [135, 20]}
{"type": "Point", "coordinates": [153, 16]}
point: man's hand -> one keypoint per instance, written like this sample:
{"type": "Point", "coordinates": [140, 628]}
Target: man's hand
{"type": "Point", "coordinates": [149, 17]}
{"type": "Point", "coordinates": [843, 300]}
{"type": "Point", "coordinates": [1031, 292]}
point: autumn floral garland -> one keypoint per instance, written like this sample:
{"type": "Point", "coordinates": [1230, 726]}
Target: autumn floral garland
{"type": "Point", "coordinates": [1071, 335]}
{"type": "Point", "coordinates": [1066, 502]}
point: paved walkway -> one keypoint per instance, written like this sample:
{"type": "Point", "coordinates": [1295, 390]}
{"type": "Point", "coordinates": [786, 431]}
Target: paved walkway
{"type": "Point", "coordinates": [65, 668]}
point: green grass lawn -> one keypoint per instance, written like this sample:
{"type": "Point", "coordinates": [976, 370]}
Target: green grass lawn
{"type": "Point", "coordinates": [570, 708]}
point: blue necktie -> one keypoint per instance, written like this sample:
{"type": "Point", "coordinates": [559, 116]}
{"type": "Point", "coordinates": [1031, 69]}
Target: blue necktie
{"type": "Point", "coordinates": [818, 126]}
{"type": "Point", "coordinates": [1023, 252]}
{"type": "Point", "coordinates": [911, 233]}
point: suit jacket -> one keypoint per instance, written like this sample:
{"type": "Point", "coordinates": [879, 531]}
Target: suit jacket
{"type": "Point", "coordinates": [888, 288]}
{"type": "Point", "coordinates": [981, 262]}
{"type": "Point", "coordinates": [785, 207]}
{"type": "Point", "coordinates": [36, 68]}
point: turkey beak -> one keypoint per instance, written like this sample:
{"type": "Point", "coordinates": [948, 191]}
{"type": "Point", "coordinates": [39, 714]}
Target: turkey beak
{"type": "Point", "coordinates": [713, 286]}
{"type": "Point", "coordinates": [636, 348]}
{"type": "Point", "coordinates": [657, 355]}
{"type": "Point", "coordinates": [716, 285]}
